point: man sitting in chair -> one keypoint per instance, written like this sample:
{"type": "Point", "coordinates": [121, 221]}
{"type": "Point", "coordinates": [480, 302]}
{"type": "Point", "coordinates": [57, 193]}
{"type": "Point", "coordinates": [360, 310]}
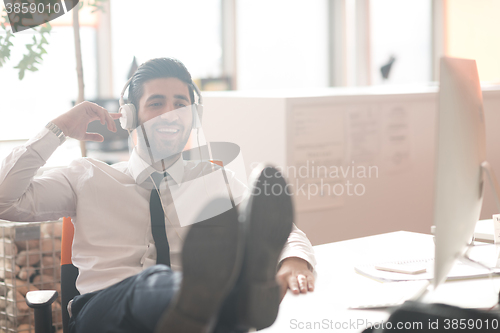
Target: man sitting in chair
{"type": "Point", "coordinates": [128, 244]}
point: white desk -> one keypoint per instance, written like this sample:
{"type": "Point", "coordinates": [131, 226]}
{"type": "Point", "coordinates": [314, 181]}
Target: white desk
{"type": "Point", "coordinates": [337, 282]}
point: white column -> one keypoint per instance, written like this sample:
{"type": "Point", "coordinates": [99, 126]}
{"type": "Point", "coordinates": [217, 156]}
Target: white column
{"type": "Point", "coordinates": [438, 37]}
{"type": "Point", "coordinates": [228, 30]}
{"type": "Point", "coordinates": [104, 55]}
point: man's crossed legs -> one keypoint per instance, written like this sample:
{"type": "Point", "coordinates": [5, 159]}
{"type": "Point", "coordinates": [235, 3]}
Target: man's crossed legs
{"type": "Point", "coordinates": [228, 281]}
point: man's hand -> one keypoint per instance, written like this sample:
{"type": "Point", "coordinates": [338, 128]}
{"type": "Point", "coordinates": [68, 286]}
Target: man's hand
{"type": "Point", "coordinates": [74, 122]}
{"type": "Point", "coordinates": [295, 274]}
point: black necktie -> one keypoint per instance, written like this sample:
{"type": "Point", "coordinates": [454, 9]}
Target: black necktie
{"type": "Point", "coordinates": [158, 223]}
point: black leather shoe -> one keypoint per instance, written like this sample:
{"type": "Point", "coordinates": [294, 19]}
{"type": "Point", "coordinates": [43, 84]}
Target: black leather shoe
{"type": "Point", "coordinates": [268, 218]}
{"type": "Point", "coordinates": [211, 260]}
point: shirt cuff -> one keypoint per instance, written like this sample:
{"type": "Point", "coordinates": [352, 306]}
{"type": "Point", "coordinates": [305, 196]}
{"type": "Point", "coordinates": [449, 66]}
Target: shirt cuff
{"type": "Point", "coordinates": [291, 253]}
{"type": "Point", "coordinates": [299, 246]}
{"type": "Point", "coordinates": [44, 143]}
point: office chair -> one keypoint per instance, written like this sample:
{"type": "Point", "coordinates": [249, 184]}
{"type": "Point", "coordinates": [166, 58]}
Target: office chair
{"type": "Point", "coordinates": [41, 300]}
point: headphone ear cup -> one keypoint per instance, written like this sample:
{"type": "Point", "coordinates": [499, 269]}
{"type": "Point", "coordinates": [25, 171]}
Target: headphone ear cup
{"type": "Point", "coordinates": [127, 120]}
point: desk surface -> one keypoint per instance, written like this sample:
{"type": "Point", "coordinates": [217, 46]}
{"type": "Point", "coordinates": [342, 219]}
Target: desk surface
{"type": "Point", "coordinates": [337, 283]}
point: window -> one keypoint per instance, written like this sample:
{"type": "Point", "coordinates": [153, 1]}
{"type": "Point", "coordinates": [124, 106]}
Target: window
{"type": "Point", "coordinates": [282, 44]}
{"type": "Point", "coordinates": [189, 30]}
{"type": "Point", "coordinates": [27, 105]}
{"type": "Point", "coordinates": [401, 29]}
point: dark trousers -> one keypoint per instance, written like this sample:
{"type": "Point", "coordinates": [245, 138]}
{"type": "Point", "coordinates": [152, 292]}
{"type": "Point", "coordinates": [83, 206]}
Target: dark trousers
{"type": "Point", "coordinates": [136, 304]}
{"type": "Point", "coordinates": [132, 305]}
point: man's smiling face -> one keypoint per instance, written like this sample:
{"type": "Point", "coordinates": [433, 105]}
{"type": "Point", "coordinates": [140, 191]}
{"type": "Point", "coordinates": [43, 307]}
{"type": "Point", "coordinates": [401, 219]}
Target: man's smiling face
{"type": "Point", "coordinates": [165, 112]}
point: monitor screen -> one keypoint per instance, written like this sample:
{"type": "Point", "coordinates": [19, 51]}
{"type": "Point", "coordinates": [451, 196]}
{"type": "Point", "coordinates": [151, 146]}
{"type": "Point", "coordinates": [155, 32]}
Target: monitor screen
{"type": "Point", "coordinates": [461, 148]}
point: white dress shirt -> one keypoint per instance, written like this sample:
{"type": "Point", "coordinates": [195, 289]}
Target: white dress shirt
{"type": "Point", "coordinates": [109, 209]}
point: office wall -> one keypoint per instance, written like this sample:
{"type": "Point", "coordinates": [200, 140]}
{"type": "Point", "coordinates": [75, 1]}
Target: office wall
{"type": "Point", "coordinates": [391, 131]}
{"type": "Point", "coordinates": [471, 31]}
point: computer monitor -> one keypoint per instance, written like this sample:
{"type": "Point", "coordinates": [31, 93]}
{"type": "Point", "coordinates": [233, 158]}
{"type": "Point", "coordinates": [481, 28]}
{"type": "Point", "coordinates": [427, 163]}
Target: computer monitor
{"type": "Point", "coordinates": [461, 151]}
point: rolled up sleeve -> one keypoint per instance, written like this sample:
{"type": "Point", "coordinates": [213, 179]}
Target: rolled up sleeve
{"type": "Point", "coordinates": [299, 246]}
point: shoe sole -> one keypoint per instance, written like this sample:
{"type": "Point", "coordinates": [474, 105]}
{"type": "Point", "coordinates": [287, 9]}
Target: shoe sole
{"type": "Point", "coordinates": [211, 259]}
{"type": "Point", "coordinates": [268, 218]}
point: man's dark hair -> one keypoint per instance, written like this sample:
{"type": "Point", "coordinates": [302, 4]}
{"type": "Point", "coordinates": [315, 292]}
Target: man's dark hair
{"type": "Point", "coordinates": [156, 69]}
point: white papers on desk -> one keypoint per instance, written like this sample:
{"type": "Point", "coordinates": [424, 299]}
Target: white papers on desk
{"type": "Point", "coordinates": [484, 231]}
{"type": "Point", "coordinates": [459, 271]}
{"type": "Point", "coordinates": [472, 294]}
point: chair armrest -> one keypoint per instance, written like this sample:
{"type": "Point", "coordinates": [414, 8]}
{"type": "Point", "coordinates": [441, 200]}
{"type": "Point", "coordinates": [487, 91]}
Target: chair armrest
{"type": "Point", "coordinates": [41, 298]}
{"type": "Point", "coordinates": [41, 301]}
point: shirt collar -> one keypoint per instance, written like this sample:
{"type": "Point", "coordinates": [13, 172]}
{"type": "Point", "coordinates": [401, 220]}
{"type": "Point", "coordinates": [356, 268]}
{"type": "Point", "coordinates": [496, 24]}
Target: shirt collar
{"type": "Point", "coordinates": [140, 169]}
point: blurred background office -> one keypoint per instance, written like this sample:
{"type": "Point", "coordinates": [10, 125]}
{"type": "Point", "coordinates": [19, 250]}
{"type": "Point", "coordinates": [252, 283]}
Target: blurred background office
{"type": "Point", "coordinates": [250, 44]}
